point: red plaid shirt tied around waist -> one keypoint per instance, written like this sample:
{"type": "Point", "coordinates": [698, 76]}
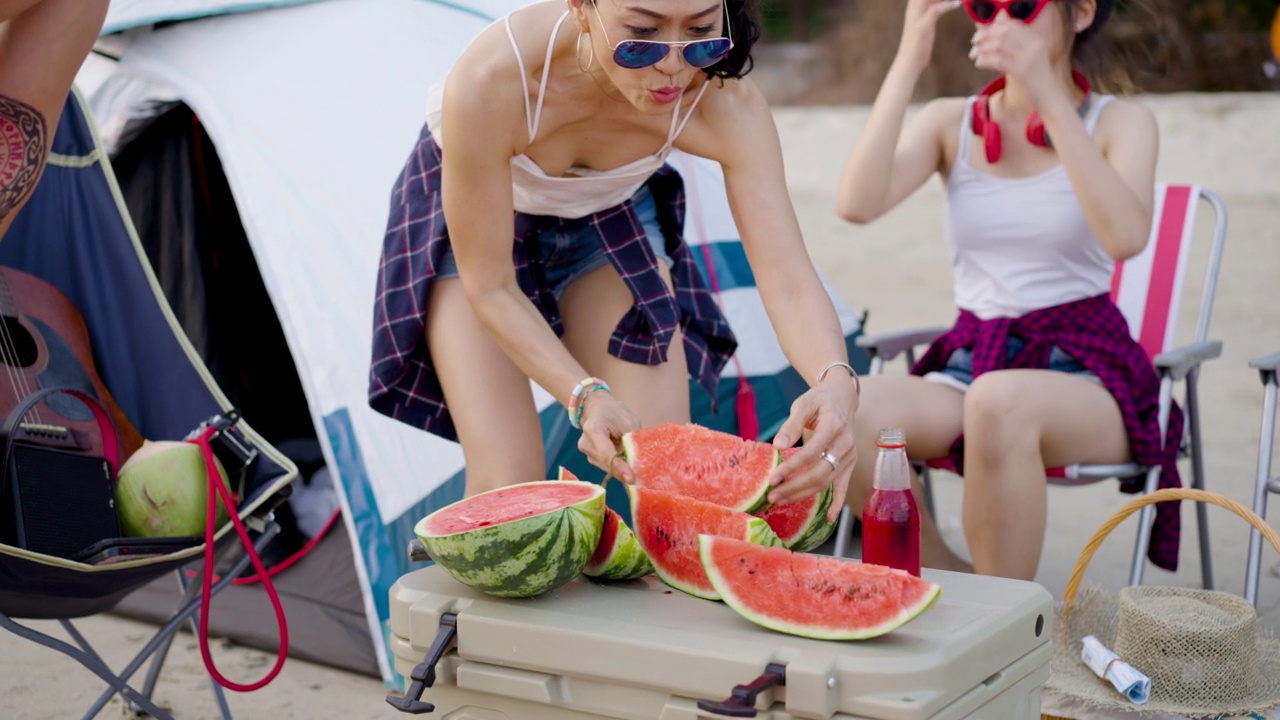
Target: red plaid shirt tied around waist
{"type": "Point", "coordinates": [402, 382]}
{"type": "Point", "coordinates": [1094, 332]}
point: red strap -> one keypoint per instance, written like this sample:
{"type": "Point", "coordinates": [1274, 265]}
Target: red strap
{"type": "Point", "coordinates": [744, 403]}
{"type": "Point", "coordinates": [216, 486]}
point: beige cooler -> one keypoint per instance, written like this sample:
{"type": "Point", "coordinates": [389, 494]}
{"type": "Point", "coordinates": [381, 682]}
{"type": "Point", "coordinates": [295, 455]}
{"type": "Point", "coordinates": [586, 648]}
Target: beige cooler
{"type": "Point", "coordinates": [641, 650]}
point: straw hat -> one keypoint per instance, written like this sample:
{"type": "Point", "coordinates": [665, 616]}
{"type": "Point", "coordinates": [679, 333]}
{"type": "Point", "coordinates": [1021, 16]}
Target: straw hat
{"type": "Point", "coordinates": [1202, 649]}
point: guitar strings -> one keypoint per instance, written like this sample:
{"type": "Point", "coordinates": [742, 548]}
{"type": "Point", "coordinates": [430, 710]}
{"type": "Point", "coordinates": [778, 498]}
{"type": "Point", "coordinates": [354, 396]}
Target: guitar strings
{"type": "Point", "coordinates": [17, 380]}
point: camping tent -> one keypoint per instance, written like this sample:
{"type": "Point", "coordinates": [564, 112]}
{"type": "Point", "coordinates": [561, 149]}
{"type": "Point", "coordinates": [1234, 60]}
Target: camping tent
{"type": "Point", "coordinates": [256, 147]}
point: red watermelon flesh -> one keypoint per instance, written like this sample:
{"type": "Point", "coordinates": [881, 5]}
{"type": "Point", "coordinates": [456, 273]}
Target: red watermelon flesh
{"type": "Point", "coordinates": [667, 527]}
{"type": "Point", "coordinates": [505, 505]}
{"type": "Point", "coordinates": [698, 462]}
{"type": "Point", "coordinates": [802, 525]}
{"type": "Point", "coordinates": [813, 595]}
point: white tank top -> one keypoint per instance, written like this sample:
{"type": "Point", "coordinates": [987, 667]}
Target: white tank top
{"type": "Point", "coordinates": [582, 191]}
{"type": "Point", "coordinates": [1020, 244]}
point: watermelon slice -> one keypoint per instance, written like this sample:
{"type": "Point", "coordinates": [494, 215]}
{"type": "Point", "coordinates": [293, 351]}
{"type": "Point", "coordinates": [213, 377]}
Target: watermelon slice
{"type": "Point", "coordinates": [812, 595]}
{"type": "Point", "coordinates": [517, 541]}
{"type": "Point", "coordinates": [698, 462]}
{"type": "Point", "coordinates": [667, 527]}
{"type": "Point", "coordinates": [618, 555]}
{"type": "Point", "coordinates": [802, 525]}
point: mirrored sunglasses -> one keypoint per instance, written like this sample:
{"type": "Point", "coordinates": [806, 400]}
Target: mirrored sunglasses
{"type": "Point", "coordinates": [636, 54]}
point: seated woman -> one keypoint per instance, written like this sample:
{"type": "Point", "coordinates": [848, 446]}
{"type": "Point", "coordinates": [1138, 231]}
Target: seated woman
{"type": "Point", "coordinates": [535, 234]}
{"type": "Point", "coordinates": [1048, 186]}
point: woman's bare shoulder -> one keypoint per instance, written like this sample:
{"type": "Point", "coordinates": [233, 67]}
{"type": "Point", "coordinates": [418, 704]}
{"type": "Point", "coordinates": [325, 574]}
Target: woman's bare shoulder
{"type": "Point", "coordinates": [486, 87]}
{"type": "Point", "coordinates": [1128, 112]}
{"type": "Point", "coordinates": [945, 112]}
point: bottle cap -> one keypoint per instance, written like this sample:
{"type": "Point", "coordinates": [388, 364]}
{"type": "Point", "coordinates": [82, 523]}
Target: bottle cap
{"type": "Point", "coordinates": [892, 439]}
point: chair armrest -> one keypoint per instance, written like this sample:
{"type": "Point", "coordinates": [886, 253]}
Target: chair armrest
{"type": "Point", "coordinates": [889, 345]}
{"type": "Point", "coordinates": [1178, 362]}
{"type": "Point", "coordinates": [1269, 363]}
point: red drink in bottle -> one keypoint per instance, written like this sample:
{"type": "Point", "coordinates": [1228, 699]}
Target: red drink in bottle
{"type": "Point", "coordinates": [890, 519]}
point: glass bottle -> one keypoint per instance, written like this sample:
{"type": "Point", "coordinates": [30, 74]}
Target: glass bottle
{"type": "Point", "coordinates": [891, 518]}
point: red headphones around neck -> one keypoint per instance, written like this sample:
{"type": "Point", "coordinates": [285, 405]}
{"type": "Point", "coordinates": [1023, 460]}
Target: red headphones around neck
{"type": "Point", "coordinates": [1036, 134]}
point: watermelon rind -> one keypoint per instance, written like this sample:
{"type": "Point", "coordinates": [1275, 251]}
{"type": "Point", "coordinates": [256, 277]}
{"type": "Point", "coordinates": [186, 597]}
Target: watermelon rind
{"type": "Point", "coordinates": [829, 631]}
{"type": "Point", "coordinates": [756, 531]}
{"type": "Point", "coordinates": [755, 496]}
{"type": "Point", "coordinates": [625, 559]}
{"type": "Point", "coordinates": [524, 557]}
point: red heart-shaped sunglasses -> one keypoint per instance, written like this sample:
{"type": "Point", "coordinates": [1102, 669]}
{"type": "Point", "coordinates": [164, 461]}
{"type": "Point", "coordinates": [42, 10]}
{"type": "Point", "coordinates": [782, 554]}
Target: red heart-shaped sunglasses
{"type": "Point", "coordinates": [984, 12]}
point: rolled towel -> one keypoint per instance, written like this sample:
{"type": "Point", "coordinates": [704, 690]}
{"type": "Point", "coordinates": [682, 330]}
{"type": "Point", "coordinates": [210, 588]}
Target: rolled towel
{"type": "Point", "coordinates": [1107, 665]}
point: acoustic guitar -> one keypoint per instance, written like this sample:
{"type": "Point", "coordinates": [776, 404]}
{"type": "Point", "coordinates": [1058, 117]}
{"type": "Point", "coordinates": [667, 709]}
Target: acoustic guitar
{"type": "Point", "coordinates": [44, 343]}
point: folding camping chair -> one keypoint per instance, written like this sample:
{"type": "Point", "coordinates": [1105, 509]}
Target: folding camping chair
{"type": "Point", "coordinates": [1264, 484]}
{"type": "Point", "coordinates": [1148, 291]}
{"type": "Point", "coordinates": [75, 234]}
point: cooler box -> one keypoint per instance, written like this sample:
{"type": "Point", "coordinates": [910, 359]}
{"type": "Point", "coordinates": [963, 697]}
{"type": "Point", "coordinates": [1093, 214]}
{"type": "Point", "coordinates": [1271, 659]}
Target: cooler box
{"type": "Point", "coordinates": [644, 651]}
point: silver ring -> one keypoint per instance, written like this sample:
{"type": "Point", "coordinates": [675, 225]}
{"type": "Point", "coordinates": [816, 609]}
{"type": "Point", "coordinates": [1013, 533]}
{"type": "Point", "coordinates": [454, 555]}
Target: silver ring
{"type": "Point", "coordinates": [835, 464]}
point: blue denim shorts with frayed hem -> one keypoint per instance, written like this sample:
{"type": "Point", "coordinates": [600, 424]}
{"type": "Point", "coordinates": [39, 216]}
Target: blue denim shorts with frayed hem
{"type": "Point", "coordinates": [572, 249]}
{"type": "Point", "coordinates": [959, 370]}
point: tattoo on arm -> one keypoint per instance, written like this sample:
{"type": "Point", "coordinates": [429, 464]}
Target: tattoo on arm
{"type": "Point", "coordinates": [23, 148]}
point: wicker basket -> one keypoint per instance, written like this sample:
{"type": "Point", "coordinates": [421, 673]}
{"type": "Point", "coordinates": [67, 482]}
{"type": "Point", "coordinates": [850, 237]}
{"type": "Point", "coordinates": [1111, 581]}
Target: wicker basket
{"type": "Point", "coordinates": [1129, 508]}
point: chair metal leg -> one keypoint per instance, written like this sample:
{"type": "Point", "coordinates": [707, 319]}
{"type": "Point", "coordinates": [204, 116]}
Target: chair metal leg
{"type": "Point", "coordinates": [90, 661]}
{"type": "Point", "coordinates": [190, 610]}
{"type": "Point", "coordinates": [1147, 513]}
{"type": "Point", "coordinates": [844, 532]}
{"type": "Point", "coordinates": [190, 589]}
{"type": "Point", "coordinates": [1197, 478]}
{"type": "Point", "coordinates": [926, 481]}
{"type": "Point", "coordinates": [1261, 487]}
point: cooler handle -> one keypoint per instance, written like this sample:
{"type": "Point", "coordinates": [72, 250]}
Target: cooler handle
{"type": "Point", "coordinates": [742, 701]}
{"type": "Point", "coordinates": [424, 674]}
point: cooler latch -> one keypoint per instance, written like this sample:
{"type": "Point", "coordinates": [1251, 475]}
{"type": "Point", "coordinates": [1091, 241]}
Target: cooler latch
{"type": "Point", "coordinates": [742, 701]}
{"type": "Point", "coordinates": [424, 674]}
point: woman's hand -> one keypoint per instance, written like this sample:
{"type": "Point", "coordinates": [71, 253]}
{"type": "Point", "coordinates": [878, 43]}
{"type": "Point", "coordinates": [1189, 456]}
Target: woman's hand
{"type": "Point", "coordinates": [823, 416]}
{"type": "Point", "coordinates": [919, 29]}
{"type": "Point", "coordinates": [1013, 49]}
{"type": "Point", "coordinates": [605, 419]}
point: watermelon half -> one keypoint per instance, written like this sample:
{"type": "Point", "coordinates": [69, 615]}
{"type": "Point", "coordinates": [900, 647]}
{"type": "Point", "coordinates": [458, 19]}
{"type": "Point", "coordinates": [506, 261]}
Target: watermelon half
{"type": "Point", "coordinates": [802, 525]}
{"type": "Point", "coordinates": [813, 596]}
{"type": "Point", "coordinates": [618, 555]}
{"type": "Point", "coordinates": [698, 462]}
{"type": "Point", "coordinates": [667, 527]}
{"type": "Point", "coordinates": [517, 541]}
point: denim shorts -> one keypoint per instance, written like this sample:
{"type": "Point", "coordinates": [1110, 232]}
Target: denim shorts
{"type": "Point", "coordinates": [572, 249]}
{"type": "Point", "coordinates": [958, 372]}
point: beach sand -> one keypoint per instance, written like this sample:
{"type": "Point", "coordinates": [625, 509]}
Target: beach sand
{"type": "Point", "coordinates": [898, 268]}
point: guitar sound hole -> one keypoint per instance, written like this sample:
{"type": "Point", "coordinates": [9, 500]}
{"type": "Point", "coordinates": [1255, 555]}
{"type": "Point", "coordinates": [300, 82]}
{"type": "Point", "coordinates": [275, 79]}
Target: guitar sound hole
{"type": "Point", "coordinates": [17, 347]}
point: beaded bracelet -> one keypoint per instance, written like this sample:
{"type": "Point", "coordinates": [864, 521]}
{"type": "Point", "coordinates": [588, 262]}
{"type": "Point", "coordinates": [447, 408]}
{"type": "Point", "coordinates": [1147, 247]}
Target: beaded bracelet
{"type": "Point", "coordinates": [577, 399]}
{"type": "Point", "coordinates": [857, 384]}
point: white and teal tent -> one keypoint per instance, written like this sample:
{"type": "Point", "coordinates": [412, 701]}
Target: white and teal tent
{"type": "Point", "coordinates": [283, 124]}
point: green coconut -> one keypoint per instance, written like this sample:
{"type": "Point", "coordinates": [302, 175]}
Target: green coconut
{"type": "Point", "coordinates": [163, 491]}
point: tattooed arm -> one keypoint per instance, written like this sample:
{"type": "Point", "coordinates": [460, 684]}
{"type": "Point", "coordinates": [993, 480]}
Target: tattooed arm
{"type": "Point", "coordinates": [43, 43]}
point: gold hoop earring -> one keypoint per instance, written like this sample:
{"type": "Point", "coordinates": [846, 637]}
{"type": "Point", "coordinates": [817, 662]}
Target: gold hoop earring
{"type": "Point", "coordinates": [578, 51]}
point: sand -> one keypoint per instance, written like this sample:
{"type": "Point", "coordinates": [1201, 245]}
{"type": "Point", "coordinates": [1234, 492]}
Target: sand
{"type": "Point", "coordinates": [898, 269]}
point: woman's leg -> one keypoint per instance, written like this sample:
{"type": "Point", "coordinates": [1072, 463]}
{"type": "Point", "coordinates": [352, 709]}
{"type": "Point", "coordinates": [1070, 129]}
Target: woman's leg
{"type": "Point", "coordinates": [591, 307]}
{"type": "Point", "coordinates": [930, 415]}
{"type": "Point", "coordinates": [488, 396]}
{"type": "Point", "coordinates": [1016, 424]}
